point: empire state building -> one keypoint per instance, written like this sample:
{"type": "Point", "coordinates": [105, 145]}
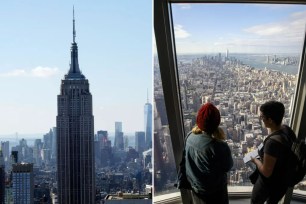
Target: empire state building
{"type": "Point", "coordinates": [75, 136]}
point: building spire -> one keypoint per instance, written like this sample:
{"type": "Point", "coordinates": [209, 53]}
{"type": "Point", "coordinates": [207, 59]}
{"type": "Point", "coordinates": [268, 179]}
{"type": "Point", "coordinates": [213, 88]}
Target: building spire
{"type": "Point", "coordinates": [147, 96]}
{"type": "Point", "coordinates": [73, 26]}
{"type": "Point", "coordinates": [74, 71]}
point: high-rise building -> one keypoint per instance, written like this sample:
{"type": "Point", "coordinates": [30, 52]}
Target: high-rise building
{"type": "Point", "coordinates": [102, 137]}
{"type": "Point", "coordinates": [118, 127]}
{"type": "Point", "coordinates": [53, 148]}
{"type": "Point", "coordinates": [37, 152]}
{"type": "Point", "coordinates": [23, 183]}
{"type": "Point", "coordinates": [140, 142]}
{"type": "Point", "coordinates": [14, 157]}
{"type": "Point", "coordinates": [119, 144]}
{"type": "Point", "coordinates": [2, 178]}
{"type": "Point", "coordinates": [75, 136]}
{"type": "Point", "coordinates": [5, 147]}
{"type": "Point", "coordinates": [148, 124]}
{"type": "Point", "coordinates": [105, 148]}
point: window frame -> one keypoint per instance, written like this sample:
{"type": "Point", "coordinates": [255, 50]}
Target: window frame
{"type": "Point", "coordinates": [166, 52]}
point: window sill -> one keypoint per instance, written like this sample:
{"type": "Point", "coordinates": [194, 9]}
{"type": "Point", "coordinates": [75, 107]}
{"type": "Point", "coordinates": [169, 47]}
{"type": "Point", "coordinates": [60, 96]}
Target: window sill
{"type": "Point", "coordinates": [235, 192]}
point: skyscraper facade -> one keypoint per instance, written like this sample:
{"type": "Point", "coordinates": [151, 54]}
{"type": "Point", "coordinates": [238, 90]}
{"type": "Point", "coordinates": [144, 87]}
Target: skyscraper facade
{"type": "Point", "coordinates": [148, 124]}
{"type": "Point", "coordinates": [75, 136]}
{"type": "Point", "coordinates": [119, 144]}
{"type": "Point", "coordinates": [140, 142]}
{"type": "Point", "coordinates": [23, 183]}
{"type": "Point", "coordinates": [5, 147]}
{"type": "Point", "coordinates": [53, 148]}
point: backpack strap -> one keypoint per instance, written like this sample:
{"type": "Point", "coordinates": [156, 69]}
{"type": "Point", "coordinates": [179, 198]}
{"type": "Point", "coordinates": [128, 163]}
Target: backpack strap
{"type": "Point", "coordinates": [280, 137]}
{"type": "Point", "coordinates": [182, 181]}
{"type": "Point", "coordinates": [185, 140]}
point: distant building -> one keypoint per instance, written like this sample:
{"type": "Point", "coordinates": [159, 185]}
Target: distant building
{"type": "Point", "coordinates": [140, 142]}
{"type": "Point", "coordinates": [161, 109]}
{"type": "Point", "coordinates": [23, 183]}
{"type": "Point", "coordinates": [42, 194]}
{"type": "Point", "coordinates": [147, 158]}
{"type": "Point", "coordinates": [105, 148]}
{"type": "Point", "coordinates": [2, 178]}
{"type": "Point", "coordinates": [14, 157]}
{"type": "Point", "coordinates": [122, 198]}
{"type": "Point", "coordinates": [5, 147]}
{"type": "Point", "coordinates": [37, 152]}
{"type": "Point", "coordinates": [53, 147]}
{"type": "Point", "coordinates": [75, 136]}
{"type": "Point", "coordinates": [148, 124]}
{"type": "Point", "coordinates": [119, 143]}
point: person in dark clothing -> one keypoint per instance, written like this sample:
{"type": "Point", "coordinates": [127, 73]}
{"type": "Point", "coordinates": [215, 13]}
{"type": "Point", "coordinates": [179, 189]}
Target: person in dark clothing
{"type": "Point", "coordinates": [207, 159]}
{"type": "Point", "coordinates": [273, 166]}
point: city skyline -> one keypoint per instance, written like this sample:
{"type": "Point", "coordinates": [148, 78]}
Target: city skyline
{"type": "Point", "coordinates": [114, 56]}
{"type": "Point", "coordinates": [240, 28]}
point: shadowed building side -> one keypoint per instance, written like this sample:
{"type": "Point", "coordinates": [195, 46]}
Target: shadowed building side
{"type": "Point", "coordinates": [75, 136]}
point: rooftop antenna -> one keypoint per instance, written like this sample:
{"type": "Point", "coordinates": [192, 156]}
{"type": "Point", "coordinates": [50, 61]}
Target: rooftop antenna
{"type": "Point", "coordinates": [16, 134]}
{"type": "Point", "coordinates": [73, 26]}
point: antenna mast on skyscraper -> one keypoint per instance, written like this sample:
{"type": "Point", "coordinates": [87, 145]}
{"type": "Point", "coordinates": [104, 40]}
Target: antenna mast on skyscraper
{"type": "Point", "coordinates": [73, 26]}
{"type": "Point", "coordinates": [147, 95]}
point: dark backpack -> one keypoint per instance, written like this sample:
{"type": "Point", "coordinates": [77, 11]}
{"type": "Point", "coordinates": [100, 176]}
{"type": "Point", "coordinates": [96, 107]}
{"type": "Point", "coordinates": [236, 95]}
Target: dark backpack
{"type": "Point", "coordinates": [297, 156]}
{"type": "Point", "coordinates": [299, 149]}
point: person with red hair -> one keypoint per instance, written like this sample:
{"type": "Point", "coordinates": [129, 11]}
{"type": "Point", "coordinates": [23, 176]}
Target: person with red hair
{"type": "Point", "coordinates": [207, 158]}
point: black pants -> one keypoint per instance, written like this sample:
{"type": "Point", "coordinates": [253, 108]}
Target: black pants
{"type": "Point", "coordinates": [264, 192]}
{"type": "Point", "coordinates": [218, 197]}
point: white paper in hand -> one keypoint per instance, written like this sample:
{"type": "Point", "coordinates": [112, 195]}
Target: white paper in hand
{"type": "Point", "coordinates": [253, 154]}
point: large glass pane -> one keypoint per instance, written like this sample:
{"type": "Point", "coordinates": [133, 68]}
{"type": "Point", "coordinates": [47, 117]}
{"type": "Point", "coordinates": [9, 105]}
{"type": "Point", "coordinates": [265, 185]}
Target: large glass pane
{"type": "Point", "coordinates": [238, 56]}
{"type": "Point", "coordinates": [164, 164]}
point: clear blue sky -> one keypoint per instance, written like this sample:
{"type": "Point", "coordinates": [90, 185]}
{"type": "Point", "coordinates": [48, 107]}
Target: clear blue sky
{"type": "Point", "coordinates": [115, 55]}
{"type": "Point", "coordinates": [241, 28]}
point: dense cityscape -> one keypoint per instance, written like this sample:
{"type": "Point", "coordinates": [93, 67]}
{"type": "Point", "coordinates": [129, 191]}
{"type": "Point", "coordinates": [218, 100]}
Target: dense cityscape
{"type": "Point", "coordinates": [119, 168]}
{"type": "Point", "coordinates": [238, 90]}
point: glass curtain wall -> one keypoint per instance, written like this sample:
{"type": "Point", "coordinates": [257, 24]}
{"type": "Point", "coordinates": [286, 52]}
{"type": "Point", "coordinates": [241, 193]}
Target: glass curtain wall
{"type": "Point", "coordinates": [237, 56]}
{"type": "Point", "coordinates": [164, 164]}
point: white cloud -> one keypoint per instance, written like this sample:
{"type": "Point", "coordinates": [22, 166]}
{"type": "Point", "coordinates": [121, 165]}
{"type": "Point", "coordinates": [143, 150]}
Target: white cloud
{"type": "Point", "coordinates": [289, 28]}
{"type": "Point", "coordinates": [275, 6]}
{"type": "Point", "coordinates": [39, 72]}
{"type": "Point", "coordinates": [43, 71]}
{"type": "Point", "coordinates": [184, 6]}
{"type": "Point", "coordinates": [14, 73]}
{"type": "Point", "coordinates": [266, 30]}
{"type": "Point", "coordinates": [180, 32]}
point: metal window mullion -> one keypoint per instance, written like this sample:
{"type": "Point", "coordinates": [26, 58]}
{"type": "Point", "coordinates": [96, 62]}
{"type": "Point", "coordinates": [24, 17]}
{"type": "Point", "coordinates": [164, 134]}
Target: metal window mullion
{"type": "Point", "coordinates": [241, 1]}
{"type": "Point", "coordinates": [167, 60]}
{"type": "Point", "coordinates": [299, 113]}
{"type": "Point", "coordinates": [298, 117]}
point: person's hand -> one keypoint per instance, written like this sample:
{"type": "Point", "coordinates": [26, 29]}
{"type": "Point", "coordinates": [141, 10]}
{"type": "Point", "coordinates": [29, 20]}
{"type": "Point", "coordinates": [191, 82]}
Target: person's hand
{"type": "Point", "coordinates": [253, 159]}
